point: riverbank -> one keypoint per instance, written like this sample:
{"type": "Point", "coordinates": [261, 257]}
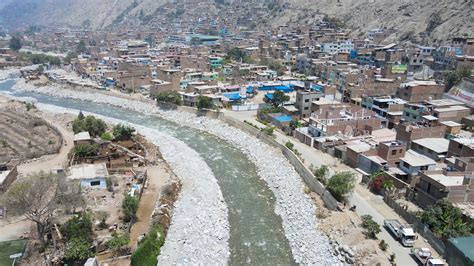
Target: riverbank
{"type": "Point", "coordinates": [292, 204]}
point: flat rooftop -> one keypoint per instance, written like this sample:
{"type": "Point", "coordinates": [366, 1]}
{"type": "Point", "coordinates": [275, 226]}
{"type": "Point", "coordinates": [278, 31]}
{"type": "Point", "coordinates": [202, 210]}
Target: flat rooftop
{"type": "Point", "coordinates": [413, 158]}
{"type": "Point", "coordinates": [438, 145]}
{"type": "Point", "coordinates": [88, 171]}
{"type": "Point", "coordinates": [447, 181]}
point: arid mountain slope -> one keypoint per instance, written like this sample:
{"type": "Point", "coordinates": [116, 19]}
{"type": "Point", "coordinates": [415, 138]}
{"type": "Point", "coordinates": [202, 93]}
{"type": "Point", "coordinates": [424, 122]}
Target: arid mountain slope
{"type": "Point", "coordinates": [441, 19]}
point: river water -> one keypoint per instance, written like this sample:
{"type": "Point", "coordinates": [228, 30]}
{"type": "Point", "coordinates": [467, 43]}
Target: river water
{"type": "Point", "coordinates": [256, 232]}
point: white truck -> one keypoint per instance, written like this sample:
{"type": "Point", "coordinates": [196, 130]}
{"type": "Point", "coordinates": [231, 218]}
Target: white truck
{"type": "Point", "coordinates": [403, 233]}
{"type": "Point", "coordinates": [424, 257]}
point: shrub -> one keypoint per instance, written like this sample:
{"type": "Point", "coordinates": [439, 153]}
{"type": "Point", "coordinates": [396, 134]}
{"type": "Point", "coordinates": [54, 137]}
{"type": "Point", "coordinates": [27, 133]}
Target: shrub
{"type": "Point", "coordinates": [268, 130]}
{"type": "Point", "coordinates": [149, 248]}
{"type": "Point", "coordinates": [118, 241]}
{"type": "Point", "coordinates": [129, 207]}
{"type": "Point", "coordinates": [320, 173]}
{"type": "Point", "coordinates": [78, 249]}
{"type": "Point", "coordinates": [289, 145]}
{"type": "Point", "coordinates": [371, 227]}
{"type": "Point", "coordinates": [341, 184]}
{"type": "Point", "coordinates": [106, 136]}
{"type": "Point", "coordinates": [383, 245]}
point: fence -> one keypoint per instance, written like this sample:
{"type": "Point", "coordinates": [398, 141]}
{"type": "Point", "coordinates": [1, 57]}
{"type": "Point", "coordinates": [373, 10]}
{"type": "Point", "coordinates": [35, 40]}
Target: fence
{"type": "Point", "coordinates": [421, 228]}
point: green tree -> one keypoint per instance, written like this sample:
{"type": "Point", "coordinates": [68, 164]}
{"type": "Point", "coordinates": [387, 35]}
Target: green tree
{"type": "Point", "coordinates": [204, 102]}
{"type": "Point", "coordinates": [341, 184]}
{"type": "Point", "coordinates": [169, 96]}
{"type": "Point", "coordinates": [149, 248]}
{"type": "Point", "coordinates": [94, 126]}
{"type": "Point", "coordinates": [294, 124]}
{"type": "Point", "coordinates": [15, 43]}
{"type": "Point", "coordinates": [78, 227]}
{"type": "Point", "coordinates": [446, 220]}
{"type": "Point", "coordinates": [81, 46]}
{"type": "Point", "coordinates": [453, 78]}
{"type": "Point", "coordinates": [78, 249]}
{"type": "Point", "coordinates": [129, 207]}
{"type": "Point", "coordinates": [118, 242]}
{"type": "Point", "coordinates": [371, 227]}
{"type": "Point", "coordinates": [123, 132]}
{"type": "Point", "coordinates": [279, 98]}
{"type": "Point", "coordinates": [321, 172]}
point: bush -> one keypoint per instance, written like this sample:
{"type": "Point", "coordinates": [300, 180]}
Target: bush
{"type": "Point", "coordinates": [149, 248]}
{"type": "Point", "coordinates": [341, 184]}
{"type": "Point", "coordinates": [268, 130]}
{"type": "Point", "coordinates": [106, 136]}
{"type": "Point", "coordinates": [129, 207]}
{"type": "Point", "coordinates": [321, 173]}
{"type": "Point", "coordinates": [123, 132]}
{"type": "Point", "coordinates": [289, 145]}
{"type": "Point", "coordinates": [118, 241]}
{"type": "Point", "coordinates": [371, 227]}
{"type": "Point", "coordinates": [383, 245]}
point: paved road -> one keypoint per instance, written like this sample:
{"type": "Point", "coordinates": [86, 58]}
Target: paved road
{"type": "Point", "coordinates": [366, 202]}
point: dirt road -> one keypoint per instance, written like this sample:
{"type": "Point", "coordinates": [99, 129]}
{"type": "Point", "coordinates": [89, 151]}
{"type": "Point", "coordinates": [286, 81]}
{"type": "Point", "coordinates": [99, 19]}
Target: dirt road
{"type": "Point", "coordinates": [48, 162]}
{"type": "Point", "coordinates": [158, 178]}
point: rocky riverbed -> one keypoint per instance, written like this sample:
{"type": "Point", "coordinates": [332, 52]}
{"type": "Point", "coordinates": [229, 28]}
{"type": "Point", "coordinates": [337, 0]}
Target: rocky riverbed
{"type": "Point", "coordinates": [308, 245]}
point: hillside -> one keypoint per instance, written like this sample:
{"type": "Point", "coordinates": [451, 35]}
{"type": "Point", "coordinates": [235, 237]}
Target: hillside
{"type": "Point", "coordinates": [441, 18]}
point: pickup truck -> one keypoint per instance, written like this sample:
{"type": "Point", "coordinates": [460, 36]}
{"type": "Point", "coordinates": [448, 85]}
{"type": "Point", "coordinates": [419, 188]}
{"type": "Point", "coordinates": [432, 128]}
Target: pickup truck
{"type": "Point", "coordinates": [424, 257]}
{"type": "Point", "coordinates": [403, 233]}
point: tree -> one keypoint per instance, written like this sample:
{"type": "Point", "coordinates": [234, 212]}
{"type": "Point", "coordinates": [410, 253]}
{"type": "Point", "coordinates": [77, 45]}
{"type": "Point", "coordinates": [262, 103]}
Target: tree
{"type": "Point", "coordinates": [294, 124]}
{"type": "Point", "coordinates": [169, 96]}
{"type": "Point", "coordinates": [94, 126]}
{"type": "Point", "coordinates": [123, 132]}
{"type": "Point", "coordinates": [34, 198]}
{"type": "Point", "coordinates": [455, 77]}
{"type": "Point", "coordinates": [129, 207]}
{"type": "Point", "coordinates": [79, 226]}
{"type": "Point", "coordinates": [106, 136]}
{"type": "Point", "coordinates": [204, 102]}
{"type": "Point", "coordinates": [149, 248]}
{"type": "Point", "coordinates": [341, 184]}
{"type": "Point", "coordinates": [371, 227]}
{"type": "Point", "coordinates": [446, 220]}
{"type": "Point", "coordinates": [279, 98]}
{"type": "Point", "coordinates": [81, 46]}
{"type": "Point", "coordinates": [78, 249]}
{"type": "Point", "coordinates": [15, 43]}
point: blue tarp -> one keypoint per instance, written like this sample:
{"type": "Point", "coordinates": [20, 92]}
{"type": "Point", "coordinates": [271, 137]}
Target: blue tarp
{"type": "Point", "coordinates": [250, 90]}
{"type": "Point", "coordinates": [317, 87]}
{"type": "Point", "coordinates": [283, 88]}
{"type": "Point", "coordinates": [269, 96]}
{"type": "Point", "coordinates": [235, 96]}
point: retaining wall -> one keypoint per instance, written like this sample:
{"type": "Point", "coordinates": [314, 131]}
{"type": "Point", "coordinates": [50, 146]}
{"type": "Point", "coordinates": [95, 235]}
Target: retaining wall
{"type": "Point", "coordinates": [310, 180]}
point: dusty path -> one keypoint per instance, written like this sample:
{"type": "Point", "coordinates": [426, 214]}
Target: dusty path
{"type": "Point", "coordinates": [158, 178]}
{"type": "Point", "coordinates": [48, 162]}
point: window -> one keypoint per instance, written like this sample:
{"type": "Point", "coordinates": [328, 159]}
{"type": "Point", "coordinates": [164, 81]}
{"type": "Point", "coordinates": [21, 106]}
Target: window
{"type": "Point", "coordinates": [95, 183]}
{"type": "Point", "coordinates": [394, 152]}
{"type": "Point", "coordinates": [424, 168]}
{"type": "Point", "coordinates": [306, 108]}
{"type": "Point", "coordinates": [306, 100]}
{"type": "Point", "coordinates": [406, 165]}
